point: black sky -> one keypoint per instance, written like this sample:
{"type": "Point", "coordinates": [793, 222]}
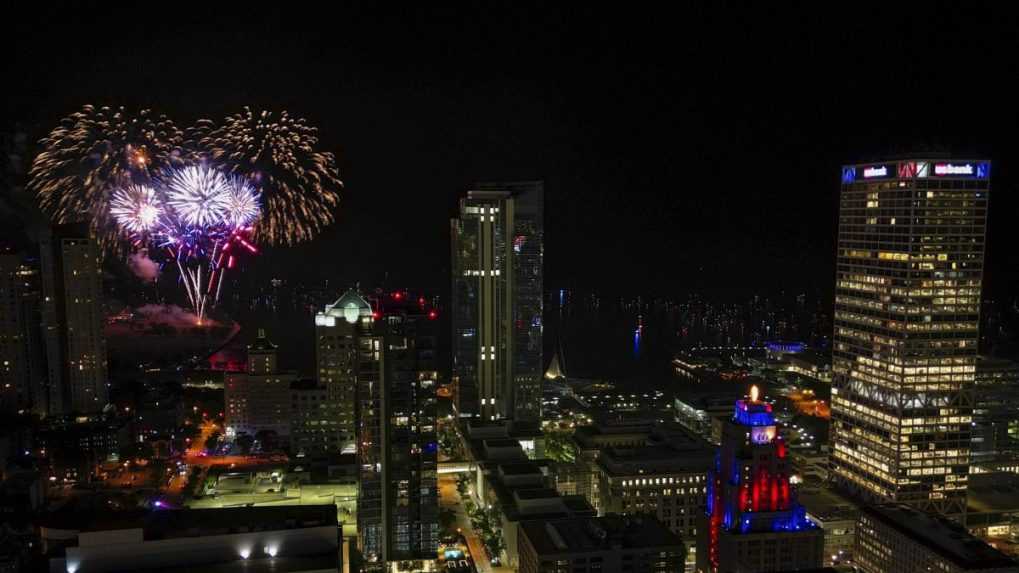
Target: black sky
{"type": "Point", "coordinates": [695, 148]}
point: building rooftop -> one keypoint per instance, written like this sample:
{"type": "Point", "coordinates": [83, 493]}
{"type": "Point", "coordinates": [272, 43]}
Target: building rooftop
{"type": "Point", "coordinates": [171, 523]}
{"type": "Point", "coordinates": [941, 536]}
{"type": "Point", "coordinates": [993, 492]}
{"type": "Point", "coordinates": [518, 469]}
{"type": "Point", "coordinates": [658, 459]}
{"type": "Point", "coordinates": [599, 534]}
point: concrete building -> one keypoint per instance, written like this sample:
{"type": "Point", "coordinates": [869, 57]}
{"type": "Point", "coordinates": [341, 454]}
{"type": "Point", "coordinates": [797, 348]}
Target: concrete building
{"type": "Point", "coordinates": [310, 433]}
{"type": "Point", "coordinates": [259, 398]}
{"type": "Point", "coordinates": [72, 318]}
{"type": "Point", "coordinates": [601, 544]}
{"type": "Point", "coordinates": [497, 301]}
{"type": "Point", "coordinates": [22, 354]}
{"type": "Point", "coordinates": [753, 520]}
{"type": "Point", "coordinates": [909, 275]}
{"type": "Point", "coordinates": [337, 331]}
{"type": "Point", "coordinates": [900, 539]}
{"type": "Point", "coordinates": [836, 515]}
{"type": "Point", "coordinates": [299, 539]}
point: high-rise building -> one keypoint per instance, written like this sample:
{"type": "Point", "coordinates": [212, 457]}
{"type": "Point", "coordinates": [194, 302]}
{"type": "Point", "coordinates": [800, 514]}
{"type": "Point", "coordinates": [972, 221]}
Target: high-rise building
{"type": "Point", "coordinates": [22, 356]}
{"type": "Point", "coordinates": [397, 504]}
{"type": "Point", "coordinates": [258, 399]}
{"type": "Point", "coordinates": [72, 320]}
{"type": "Point", "coordinates": [337, 331]}
{"type": "Point", "coordinates": [907, 308]}
{"type": "Point", "coordinates": [900, 539]}
{"type": "Point", "coordinates": [377, 361]}
{"type": "Point", "coordinates": [498, 249]}
{"type": "Point", "coordinates": [753, 520]}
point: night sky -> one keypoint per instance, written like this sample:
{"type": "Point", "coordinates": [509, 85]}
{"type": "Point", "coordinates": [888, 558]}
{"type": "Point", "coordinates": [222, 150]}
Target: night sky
{"type": "Point", "coordinates": [691, 150]}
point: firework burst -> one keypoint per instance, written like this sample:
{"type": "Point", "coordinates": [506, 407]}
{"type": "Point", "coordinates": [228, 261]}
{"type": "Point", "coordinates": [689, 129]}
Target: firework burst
{"type": "Point", "coordinates": [299, 186]}
{"type": "Point", "coordinates": [200, 198]}
{"type": "Point", "coordinates": [137, 209]}
{"type": "Point", "coordinates": [92, 153]}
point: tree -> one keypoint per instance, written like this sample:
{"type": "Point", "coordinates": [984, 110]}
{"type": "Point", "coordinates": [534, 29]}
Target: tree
{"type": "Point", "coordinates": [244, 442]}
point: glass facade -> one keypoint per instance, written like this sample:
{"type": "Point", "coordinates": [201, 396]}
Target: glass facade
{"type": "Point", "coordinates": [907, 308]}
{"type": "Point", "coordinates": [497, 303]}
{"type": "Point", "coordinates": [397, 504]}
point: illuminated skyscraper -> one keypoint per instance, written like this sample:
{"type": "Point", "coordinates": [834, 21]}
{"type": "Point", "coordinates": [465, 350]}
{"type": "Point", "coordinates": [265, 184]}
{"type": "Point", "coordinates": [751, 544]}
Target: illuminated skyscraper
{"type": "Point", "coordinates": [907, 307]}
{"type": "Point", "coordinates": [753, 521]}
{"type": "Point", "coordinates": [73, 322]}
{"type": "Point", "coordinates": [381, 350]}
{"type": "Point", "coordinates": [498, 249]}
{"type": "Point", "coordinates": [397, 503]}
{"type": "Point", "coordinates": [338, 330]}
{"type": "Point", "coordinates": [258, 399]}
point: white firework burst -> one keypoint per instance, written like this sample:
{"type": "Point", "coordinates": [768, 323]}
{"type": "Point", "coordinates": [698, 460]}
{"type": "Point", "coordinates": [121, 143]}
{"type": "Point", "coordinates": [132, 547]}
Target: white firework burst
{"type": "Point", "coordinates": [136, 208]}
{"type": "Point", "coordinates": [242, 203]}
{"type": "Point", "coordinates": [199, 195]}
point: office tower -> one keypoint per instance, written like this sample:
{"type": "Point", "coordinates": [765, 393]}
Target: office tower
{"type": "Point", "coordinates": [258, 399]}
{"type": "Point", "coordinates": [900, 539]}
{"type": "Point", "coordinates": [753, 520]}
{"type": "Point", "coordinates": [397, 504]}
{"type": "Point", "coordinates": [907, 307]}
{"type": "Point", "coordinates": [72, 318]}
{"type": "Point", "coordinates": [611, 543]}
{"type": "Point", "coordinates": [22, 356]}
{"type": "Point", "coordinates": [337, 331]}
{"type": "Point", "coordinates": [498, 247]}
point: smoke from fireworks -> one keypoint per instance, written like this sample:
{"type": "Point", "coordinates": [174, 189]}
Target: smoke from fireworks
{"type": "Point", "coordinates": [197, 200]}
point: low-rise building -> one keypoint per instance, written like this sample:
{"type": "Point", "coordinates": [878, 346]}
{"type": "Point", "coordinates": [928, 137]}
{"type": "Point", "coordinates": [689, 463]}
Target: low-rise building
{"type": "Point", "coordinates": [603, 544]}
{"type": "Point", "coordinates": [252, 539]}
{"type": "Point", "coordinates": [899, 539]}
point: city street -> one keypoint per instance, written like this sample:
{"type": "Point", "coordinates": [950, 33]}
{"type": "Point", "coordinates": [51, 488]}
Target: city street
{"type": "Point", "coordinates": [449, 498]}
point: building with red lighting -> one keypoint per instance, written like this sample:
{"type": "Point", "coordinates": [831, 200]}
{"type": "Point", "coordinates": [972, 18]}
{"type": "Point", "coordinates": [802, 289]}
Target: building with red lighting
{"type": "Point", "coordinates": [378, 364]}
{"type": "Point", "coordinates": [753, 521]}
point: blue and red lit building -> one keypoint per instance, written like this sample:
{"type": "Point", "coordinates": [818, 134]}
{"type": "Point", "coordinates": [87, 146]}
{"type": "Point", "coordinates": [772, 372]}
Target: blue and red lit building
{"type": "Point", "coordinates": [753, 521]}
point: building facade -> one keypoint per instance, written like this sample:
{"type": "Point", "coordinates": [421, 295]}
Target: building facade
{"type": "Point", "coordinates": [900, 539]}
{"type": "Point", "coordinates": [497, 302]}
{"type": "Point", "coordinates": [753, 520]}
{"type": "Point", "coordinates": [259, 398]}
{"type": "Point", "coordinates": [72, 318]}
{"type": "Point", "coordinates": [398, 512]}
{"type": "Point", "coordinates": [907, 308]}
{"type": "Point", "coordinates": [338, 330]}
{"type": "Point", "coordinates": [377, 362]}
{"type": "Point", "coordinates": [22, 355]}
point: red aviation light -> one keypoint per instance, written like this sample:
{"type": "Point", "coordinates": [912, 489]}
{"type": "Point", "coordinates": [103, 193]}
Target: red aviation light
{"type": "Point", "coordinates": [432, 315]}
{"type": "Point", "coordinates": [398, 295]}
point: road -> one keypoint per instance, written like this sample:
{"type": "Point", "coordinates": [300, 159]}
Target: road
{"type": "Point", "coordinates": [449, 498]}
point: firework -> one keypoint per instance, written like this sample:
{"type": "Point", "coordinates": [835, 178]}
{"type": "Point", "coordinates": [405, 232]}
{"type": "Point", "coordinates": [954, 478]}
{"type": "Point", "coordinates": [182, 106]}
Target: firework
{"type": "Point", "coordinates": [195, 197]}
{"type": "Point", "coordinates": [298, 185]}
{"type": "Point", "coordinates": [199, 194]}
{"type": "Point", "coordinates": [92, 153]}
{"type": "Point", "coordinates": [136, 208]}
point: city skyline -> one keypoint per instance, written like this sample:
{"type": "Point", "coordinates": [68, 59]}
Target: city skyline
{"type": "Point", "coordinates": [501, 289]}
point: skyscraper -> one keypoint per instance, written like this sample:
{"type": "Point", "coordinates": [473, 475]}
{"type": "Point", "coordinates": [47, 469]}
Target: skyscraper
{"type": "Point", "coordinates": [753, 521]}
{"type": "Point", "coordinates": [22, 357]}
{"type": "Point", "coordinates": [907, 307]}
{"type": "Point", "coordinates": [498, 250]}
{"type": "Point", "coordinates": [73, 322]}
{"type": "Point", "coordinates": [397, 504]}
{"type": "Point", "coordinates": [338, 330]}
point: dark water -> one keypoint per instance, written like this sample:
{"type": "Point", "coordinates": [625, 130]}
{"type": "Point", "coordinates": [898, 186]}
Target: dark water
{"type": "Point", "coordinates": [609, 346]}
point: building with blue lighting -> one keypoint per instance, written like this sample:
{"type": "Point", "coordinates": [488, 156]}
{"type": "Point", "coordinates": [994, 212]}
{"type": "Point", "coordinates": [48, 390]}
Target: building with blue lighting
{"type": "Point", "coordinates": [753, 521]}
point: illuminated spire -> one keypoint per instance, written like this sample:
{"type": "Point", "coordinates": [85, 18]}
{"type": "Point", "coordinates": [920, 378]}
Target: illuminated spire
{"type": "Point", "coordinates": [754, 393]}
